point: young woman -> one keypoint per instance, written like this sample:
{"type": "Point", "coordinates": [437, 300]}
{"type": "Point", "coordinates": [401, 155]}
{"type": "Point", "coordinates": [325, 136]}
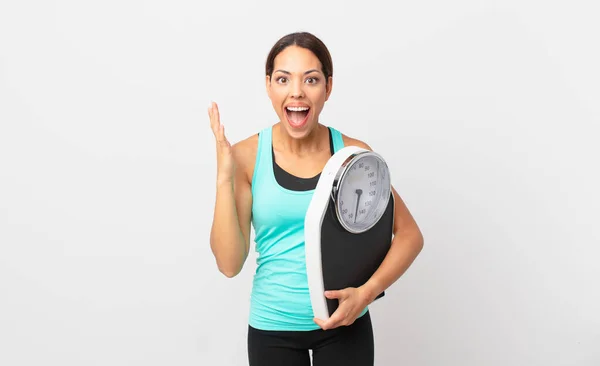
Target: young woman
{"type": "Point", "coordinates": [267, 181]}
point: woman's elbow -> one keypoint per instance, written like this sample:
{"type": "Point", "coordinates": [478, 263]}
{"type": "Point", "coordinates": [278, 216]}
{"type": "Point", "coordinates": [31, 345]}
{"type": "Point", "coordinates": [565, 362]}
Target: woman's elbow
{"type": "Point", "coordinates": [230, 272]}
{"type": "Point", "coordinates": [419, 241]}
{"type": "Point", "coordinates": [230, 269]}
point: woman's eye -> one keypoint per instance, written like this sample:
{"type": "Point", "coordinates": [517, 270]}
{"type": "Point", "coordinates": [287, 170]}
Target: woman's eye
{"type": "Point", "coordinates": [281, 79]}
{"type": "Point", "coordinates": [312, 80]}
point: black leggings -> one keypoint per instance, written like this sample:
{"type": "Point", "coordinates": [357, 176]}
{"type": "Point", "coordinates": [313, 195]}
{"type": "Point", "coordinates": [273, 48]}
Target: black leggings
{"type": "Point", "coordinates": [346, 345]}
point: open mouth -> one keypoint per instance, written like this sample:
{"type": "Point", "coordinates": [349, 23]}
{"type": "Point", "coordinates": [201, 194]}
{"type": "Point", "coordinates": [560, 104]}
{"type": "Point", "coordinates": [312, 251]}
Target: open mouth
{"type": "Point", "coordinates": [297, 116]}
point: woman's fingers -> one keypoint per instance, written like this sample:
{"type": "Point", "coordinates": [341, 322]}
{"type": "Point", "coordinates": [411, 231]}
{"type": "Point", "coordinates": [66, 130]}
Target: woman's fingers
{"type": "Point", "coordinates": [215, 123]}
{"type": "Point", "coordinates": [216, 126]}
{"type": "Point", "coordinates": [225, 163]}
{"type": "Point", "coordinates": [222, 139]}
{"type": "Point", "coordinates": [213, 114]}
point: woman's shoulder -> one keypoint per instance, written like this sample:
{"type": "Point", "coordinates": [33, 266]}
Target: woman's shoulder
{"type": "Point", "coordinates": [353, 141]}
{"type": "Point", "coordinates": [244, 154]}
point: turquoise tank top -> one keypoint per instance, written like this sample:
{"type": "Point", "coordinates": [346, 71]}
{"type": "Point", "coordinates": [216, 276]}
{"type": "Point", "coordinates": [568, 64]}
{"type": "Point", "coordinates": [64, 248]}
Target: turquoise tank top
{"type": "Point", "coordinates": [279, 298]}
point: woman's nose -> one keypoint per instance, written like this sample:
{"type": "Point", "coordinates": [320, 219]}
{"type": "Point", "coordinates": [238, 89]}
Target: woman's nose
{"type": "Point", "coordinates": [297, 90]}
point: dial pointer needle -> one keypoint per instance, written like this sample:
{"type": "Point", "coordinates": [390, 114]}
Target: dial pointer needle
{"type": "Point", "coordinates": [358, 192]}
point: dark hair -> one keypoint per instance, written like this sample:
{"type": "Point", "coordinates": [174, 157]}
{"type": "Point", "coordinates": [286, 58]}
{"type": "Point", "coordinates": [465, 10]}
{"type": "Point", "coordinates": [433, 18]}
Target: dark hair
{"type": "Point", "coordinates": [304, 40]}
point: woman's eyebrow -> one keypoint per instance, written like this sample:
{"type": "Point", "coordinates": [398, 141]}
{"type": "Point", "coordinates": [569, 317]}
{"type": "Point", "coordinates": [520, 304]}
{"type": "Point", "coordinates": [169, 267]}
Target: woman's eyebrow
{"type": "Point", "coordinates": [289, 73]}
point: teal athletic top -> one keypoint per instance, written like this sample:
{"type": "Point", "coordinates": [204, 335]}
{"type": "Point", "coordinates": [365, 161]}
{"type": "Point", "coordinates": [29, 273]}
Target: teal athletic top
{"type": "Point", "coordinates": [280, 298]}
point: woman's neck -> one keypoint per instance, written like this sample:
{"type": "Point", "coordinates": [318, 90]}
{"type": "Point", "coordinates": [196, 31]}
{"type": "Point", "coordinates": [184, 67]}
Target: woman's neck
{"type": "Point", "coordinates": [314, 142]}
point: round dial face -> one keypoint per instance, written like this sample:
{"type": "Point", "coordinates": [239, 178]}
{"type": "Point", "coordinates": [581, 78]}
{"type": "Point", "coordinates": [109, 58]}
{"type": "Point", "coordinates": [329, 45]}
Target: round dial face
{"type": "Point", "coordinates": [363, 192]}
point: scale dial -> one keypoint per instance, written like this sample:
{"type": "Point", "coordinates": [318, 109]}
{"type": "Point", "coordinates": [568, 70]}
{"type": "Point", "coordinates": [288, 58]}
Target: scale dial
{"type": "Point", "coordinates": [362, 191]}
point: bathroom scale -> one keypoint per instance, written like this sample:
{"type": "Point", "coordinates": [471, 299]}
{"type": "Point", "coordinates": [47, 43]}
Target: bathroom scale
{"type": "Point", "coordinates": [348, 225]}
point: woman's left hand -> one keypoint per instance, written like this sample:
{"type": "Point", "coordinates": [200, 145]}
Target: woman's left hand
{"type": "Point", "coordinates": [352, 301]}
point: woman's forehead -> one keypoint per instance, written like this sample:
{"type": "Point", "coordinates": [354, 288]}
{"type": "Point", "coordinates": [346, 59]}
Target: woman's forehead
{"type": "Point", "coordinates": [296, 60]}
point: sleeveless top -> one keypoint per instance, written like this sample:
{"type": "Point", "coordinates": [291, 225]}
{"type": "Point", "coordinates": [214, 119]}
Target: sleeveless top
{"type": "Point", "coordinates": [280, 298]}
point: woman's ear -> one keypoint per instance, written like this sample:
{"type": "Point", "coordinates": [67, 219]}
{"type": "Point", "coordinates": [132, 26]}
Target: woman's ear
{"type": "Point", "coordinates": [268, 85]}
{"type": "Point", "coordinates": [328, 87]}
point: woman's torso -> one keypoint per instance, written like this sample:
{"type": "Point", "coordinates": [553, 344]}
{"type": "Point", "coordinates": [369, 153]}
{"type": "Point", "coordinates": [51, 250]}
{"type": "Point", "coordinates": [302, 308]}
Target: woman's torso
{"type": "Point", "coordinates": [280, 298]}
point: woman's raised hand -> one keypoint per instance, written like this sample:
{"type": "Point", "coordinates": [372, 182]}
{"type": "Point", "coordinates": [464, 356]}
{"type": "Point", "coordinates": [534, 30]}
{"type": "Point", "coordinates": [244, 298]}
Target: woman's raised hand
{"type": "Point", "coordinates": [225, 163]}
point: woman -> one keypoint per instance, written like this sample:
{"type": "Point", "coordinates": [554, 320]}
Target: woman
{"type": "Point", "coordinates": [267, 180]}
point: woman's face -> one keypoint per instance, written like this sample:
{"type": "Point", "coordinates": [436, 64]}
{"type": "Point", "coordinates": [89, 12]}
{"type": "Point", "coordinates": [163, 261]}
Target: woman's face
{"type": "Point", "coordinates": [298, 90]}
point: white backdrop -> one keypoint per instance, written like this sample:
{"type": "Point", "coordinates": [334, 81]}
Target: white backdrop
{"type": "Point", "coordinates": [487, 112]}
